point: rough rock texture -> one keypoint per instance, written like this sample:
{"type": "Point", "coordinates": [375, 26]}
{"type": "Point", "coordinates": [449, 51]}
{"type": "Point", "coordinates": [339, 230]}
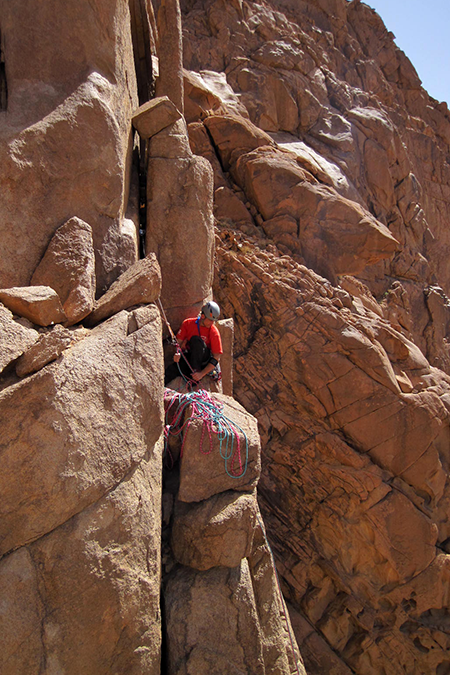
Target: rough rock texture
{"type": "Point", "coordinates": [180, 221]}
{"type": "Point", "coordinates": [85, 597]}
{"type": "Point", "coordinates": [139, 285]}
{"type": "Point", "coordinates": [65, 444]}
{"type": "Point", "coordinates": [154, 116]}
{"type": "Point", "coordinates": [226, 330]}
{"type": "Point", "coordinates": [14, 338]}
{"type": "Point", "coordinates": [68, 266]}
{"type": "Point", "coordinates": [65, 134]}
{"type": "Point", "coordinates": [45, 350]}
{"type": "Point", "coordinates": [81, 498]}
{"type": "Point", "coordinates": [209, 467]}
{"type": "Point", "coordinates": [329, 166]}
{"type": "Point", "coordinates": [217, 532]}
{"type": "Point", "coordinates": [354, 486]}
{"type": "Point", "coordinates": [39, 304]}
{"type": "Point", "coordinates": [346, 115]}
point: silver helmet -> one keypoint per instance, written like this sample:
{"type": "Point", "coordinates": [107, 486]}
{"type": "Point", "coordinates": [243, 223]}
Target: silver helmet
{"type": "Point", "coordinates": [211, 310]}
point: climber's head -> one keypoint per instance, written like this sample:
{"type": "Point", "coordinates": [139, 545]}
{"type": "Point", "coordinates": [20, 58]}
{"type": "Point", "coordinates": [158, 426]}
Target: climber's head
{"type": "Point", "coordinates": [211, 311]}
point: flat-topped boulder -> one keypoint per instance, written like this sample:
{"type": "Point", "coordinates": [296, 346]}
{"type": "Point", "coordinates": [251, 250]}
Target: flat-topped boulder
{"type": "Point", "coordinates": [40, 304]}
{"type": "Point", "coordinates": [140, 284]}
{"type": "Point", "coordinates": [220, 449]}
{"type": "Point", "coordinates": [154, 116]}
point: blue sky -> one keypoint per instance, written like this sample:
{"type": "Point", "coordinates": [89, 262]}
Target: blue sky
{"type": "Point", "coordinates": [422, 31]}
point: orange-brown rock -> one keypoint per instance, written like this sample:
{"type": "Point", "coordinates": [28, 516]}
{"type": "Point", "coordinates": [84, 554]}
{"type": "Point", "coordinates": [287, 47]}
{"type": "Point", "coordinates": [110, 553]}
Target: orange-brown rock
{"type": "Point", "coordinates": [49, 346]}
{"type": "Point", "coordinates": [68, 266]}
{"type": "Point", "coordinates": [217, 532]}
{"type": "Point", "coordinates": [39, 304]}
{"type": "Point", "coordinates": [210, 464]}
{"type": "Point", "coordinates": [75, 443]}
{"type": "Point", "coordinates": [86, 596]}
{"type": "Point", "coordinates": [247, 595]}
{"type": "Point", "coordinates": [150, 118]}
{"type": "Point", "coordinates": [139, 285]}
{"type": "Point", "coordinates": [354, 489]}
{"type": "Point", "coordinates": [14, 338]}
{"type": "Point", "coordinates": [66, 132]}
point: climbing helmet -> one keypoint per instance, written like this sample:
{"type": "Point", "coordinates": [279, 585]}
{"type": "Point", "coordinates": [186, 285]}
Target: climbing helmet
{"type": "Point", "coordinates": [211, 310]}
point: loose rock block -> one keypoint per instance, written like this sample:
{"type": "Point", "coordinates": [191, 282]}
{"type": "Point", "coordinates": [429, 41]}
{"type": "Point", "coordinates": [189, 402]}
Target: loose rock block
{"type": "Point", "coordinates": [210, 468]}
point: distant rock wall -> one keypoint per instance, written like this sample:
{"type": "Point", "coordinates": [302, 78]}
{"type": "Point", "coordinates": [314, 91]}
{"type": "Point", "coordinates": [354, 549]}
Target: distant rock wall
{"type": "Point", "coordinates": [331, 181]}
{"type": "Point", "coordinates": [326, 81]}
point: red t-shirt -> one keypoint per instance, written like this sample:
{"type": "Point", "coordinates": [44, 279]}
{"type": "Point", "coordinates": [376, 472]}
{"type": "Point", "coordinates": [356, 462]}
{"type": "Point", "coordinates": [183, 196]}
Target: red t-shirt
{"type": "Point", "coordinates": [210, 336]}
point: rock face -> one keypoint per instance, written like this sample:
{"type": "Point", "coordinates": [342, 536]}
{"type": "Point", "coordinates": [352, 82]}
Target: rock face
{"type": "Point", "coordinates": [354, 488]}
{"type": "Point", "coordinates": [347, 121]}
{"type": "Point", "coordinates": [224, 609]}
{"type": "Point", "coordinates": [59, 105]}
{"type": "Point", "coordinates": [329, 168]}
{"type": "Point", "coordinates": [68, 266]}
{"type": "Point", "coordinates": [81, 496]}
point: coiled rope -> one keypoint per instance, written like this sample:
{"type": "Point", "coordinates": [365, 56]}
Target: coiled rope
{"type": "Point", "coordinates": [214, 421]}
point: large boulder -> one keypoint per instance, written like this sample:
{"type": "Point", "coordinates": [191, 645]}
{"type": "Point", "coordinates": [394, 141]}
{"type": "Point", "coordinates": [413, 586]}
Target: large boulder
{"type": "Point", "coordinates": [217, 532]}
{"type": "Point", "coordinates": [68, 266]}
{"type": "Point", "coordinates": [66, 135]}
{"type": "Point", "coordinates": [223, 456]}
{"type": "Point", "coordinates": [85, 597]}
{"type": "Point", "coordinates": [140, 284]}
{"type": "Point", "coordinates": [221, 624]}
{"type": "Point", "coordinates": [75, 429]}
{"type": "Point", "coordinates": [39, 304]}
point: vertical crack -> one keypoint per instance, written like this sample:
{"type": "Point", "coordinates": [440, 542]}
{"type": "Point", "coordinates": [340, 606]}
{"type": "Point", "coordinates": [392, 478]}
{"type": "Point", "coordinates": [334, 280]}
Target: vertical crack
{"type": "Point", "coordinates": [3, 84]}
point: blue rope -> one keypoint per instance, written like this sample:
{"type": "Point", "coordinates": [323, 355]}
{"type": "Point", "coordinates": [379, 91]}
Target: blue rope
{"type": "Point", "coordinates": [211, 414]}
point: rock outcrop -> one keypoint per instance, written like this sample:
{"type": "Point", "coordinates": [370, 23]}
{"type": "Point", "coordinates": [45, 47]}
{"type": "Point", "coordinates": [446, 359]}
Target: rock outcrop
{"type": "Point", "coordinates": [223, 605]}
{"type": "Point", "coordinates": [81, 498]}
{"type": "Point", "coordinates": [304, 131]}
{"type": "Point", "coordinates": [66, 132]}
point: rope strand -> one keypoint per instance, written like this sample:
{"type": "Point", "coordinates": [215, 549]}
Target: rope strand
{"type": "Point", "coordinates": [214, 421]}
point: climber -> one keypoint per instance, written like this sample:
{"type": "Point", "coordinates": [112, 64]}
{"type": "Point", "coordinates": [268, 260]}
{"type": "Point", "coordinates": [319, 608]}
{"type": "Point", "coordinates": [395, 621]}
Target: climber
{"type": "Point", "coordinates": [199, 340]}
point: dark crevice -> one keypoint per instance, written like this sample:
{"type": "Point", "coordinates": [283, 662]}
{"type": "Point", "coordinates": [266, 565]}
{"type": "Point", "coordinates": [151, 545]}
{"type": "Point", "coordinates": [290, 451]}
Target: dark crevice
{"type": "Point", "coordinates": [3, 83]}
{"type": "Point", "coordinates": [141, 32]}
{"type": "Point", "coordinates": [142, 173]}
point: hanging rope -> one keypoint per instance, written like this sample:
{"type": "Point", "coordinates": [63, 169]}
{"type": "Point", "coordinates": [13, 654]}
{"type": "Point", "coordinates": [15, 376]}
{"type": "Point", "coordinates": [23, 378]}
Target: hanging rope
{"type": "Point", "coordinates": [214, 421]}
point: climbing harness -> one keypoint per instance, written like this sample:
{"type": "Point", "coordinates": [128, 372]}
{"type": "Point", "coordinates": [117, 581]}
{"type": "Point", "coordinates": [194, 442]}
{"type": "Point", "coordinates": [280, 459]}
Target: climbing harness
{"type": "Point", "coordinates": [215, 375]}
{"type": "Point", "coordinates": [283, 603]}
{"type": "Point", "coordinates": [214, 421]}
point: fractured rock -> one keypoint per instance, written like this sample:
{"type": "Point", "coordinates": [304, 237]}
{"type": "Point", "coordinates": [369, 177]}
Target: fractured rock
{"type": "Point", "coordinates": [44, 351]}
{"type": "Point", "coordinates": [214, 533]}
{"type": "Point", "coordinates": [14, 338]}
{"type": "Point", "coordinates": [40, 304]}
{"type": "Point", "coordinates": [139, 285]}
{"type": "Point", "coordinates": [153, 116]}
{"type": "Point", "coordinates": [75, 429]}
{"type": "Point", "coordinates": [87, 595]}
{"type": "Point", "coordinates": [68, 266]}
{"type": "Point", "coordinates": [209, 465]}
{"type": "Point", "coordinates": [217, 624]}
{"type": "Point", "coordinates": [180, 225]}
{"type": "Point", "coordinates": [67, 132]}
